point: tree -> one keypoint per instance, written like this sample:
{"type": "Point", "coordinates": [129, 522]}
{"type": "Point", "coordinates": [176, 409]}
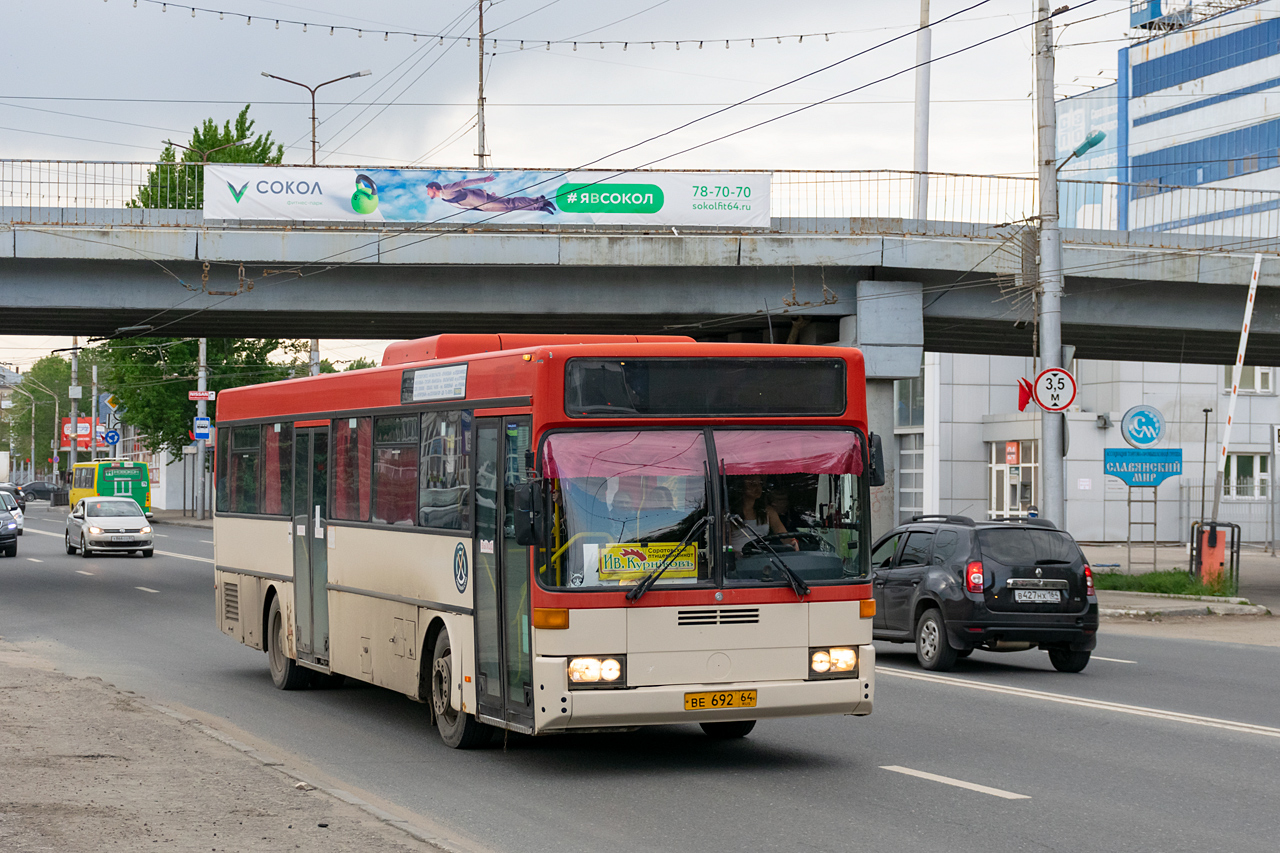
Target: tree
{"type": "Point", "coordinates": [181, 186]}
{"type": "Point", "coordinates": [54, 373]}
{"type": "Point", "coordinates": [151, 378]}
{"type": "Point", "coordinates": [362, 363]}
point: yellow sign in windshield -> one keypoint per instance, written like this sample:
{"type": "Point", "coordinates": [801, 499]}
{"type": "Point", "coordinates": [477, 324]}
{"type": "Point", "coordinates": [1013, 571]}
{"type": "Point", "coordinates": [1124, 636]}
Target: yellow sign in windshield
{"type": "Point", "coordinates": [630, 561]}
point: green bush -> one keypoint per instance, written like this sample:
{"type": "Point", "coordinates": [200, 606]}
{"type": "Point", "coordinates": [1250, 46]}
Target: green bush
{"type": "Point", "coordinates": [1173, 582]}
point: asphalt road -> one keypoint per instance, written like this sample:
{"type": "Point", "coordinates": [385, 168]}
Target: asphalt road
{"type": "Point", "coordinates": [1170, 745]}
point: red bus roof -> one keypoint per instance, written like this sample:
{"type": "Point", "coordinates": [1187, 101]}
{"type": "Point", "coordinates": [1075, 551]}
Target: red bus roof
{"type": "Point", "coordinates": [515, 375]}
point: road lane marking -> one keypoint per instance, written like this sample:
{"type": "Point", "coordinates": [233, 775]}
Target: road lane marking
{"type": "Point", "coordinates": [202, 541]}
{"type": "Point", "coordinates": [1094, 657]}
{"type": "Point", "coordinates": [83, 572]}
{"type": "Point", "coordinates": [1096, 704]}
{"type": "Point", "coordinates": [161, 535]}
{"type": "Point", "coordinates": [33, 559]}
{"type": "Point", "coordinates": [959, 783]}
{"type": "Point", "coordinates": [185, 556]}
{"type": "Point", "coordinates": [146, 589]}
{"type": "Point", "coordinates": [166, 553]}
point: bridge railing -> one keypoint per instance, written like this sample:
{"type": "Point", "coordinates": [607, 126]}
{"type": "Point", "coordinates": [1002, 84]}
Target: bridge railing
{"type": "Point", "coordinates": [109, 193]}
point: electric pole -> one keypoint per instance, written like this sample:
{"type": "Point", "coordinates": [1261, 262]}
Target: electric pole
{"type": "Point", "coordinates": [74, 393]}
{"type": "Point", "coordinates": [315, 357]}
{"type": "Point", "coordinates": [93, 418]}
{"type": "Point", "coordinates": [920, 163]}
{"type": "Point", "coordinates": [1051, 473]}
{"type": "Point", "coordinates": [202, 408]}
{"type": "Point", "coordinates": [480, 100]}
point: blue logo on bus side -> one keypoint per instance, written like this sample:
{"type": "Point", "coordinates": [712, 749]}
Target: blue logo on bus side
{"type": "Point", "coordinates": [1142, 427]}
{"type": "Point", "coordinates": [460, 571]}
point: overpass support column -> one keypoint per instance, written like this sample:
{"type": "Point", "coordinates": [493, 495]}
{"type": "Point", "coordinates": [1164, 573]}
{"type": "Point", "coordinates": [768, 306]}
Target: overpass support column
{"type": "Point", "coordinates": [889, 329]}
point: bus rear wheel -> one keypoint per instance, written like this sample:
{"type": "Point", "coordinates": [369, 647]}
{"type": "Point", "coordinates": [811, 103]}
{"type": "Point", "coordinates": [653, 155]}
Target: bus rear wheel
{"type": "Point", "coordinates": [728, 731]}
{"type": "Point", "coordinates": [285, 672]}
{"type": "Point", "coordinates": [458, 729]}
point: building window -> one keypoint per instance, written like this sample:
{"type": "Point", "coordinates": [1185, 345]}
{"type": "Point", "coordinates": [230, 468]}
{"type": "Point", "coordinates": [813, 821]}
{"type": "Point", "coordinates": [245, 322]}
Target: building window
{"type": "Point", "coordinates": [908, 402]}
{"type": "Point", "coordinates": [1014, 468]}
{"type": "Point", "coordinates": [910, 474]}
{"type": "Point", "coordinates": [1253, 380]}
{"type": "Point", "coordinates": [1246, 475]}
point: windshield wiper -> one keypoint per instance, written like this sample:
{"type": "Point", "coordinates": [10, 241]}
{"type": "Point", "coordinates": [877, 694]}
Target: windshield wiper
{"type": "Point", "coordinates": [605, 409]}
{"type": "Point", "coordinates": [797, 583]}
{"type": "Point", "coordinates": [650, 579]}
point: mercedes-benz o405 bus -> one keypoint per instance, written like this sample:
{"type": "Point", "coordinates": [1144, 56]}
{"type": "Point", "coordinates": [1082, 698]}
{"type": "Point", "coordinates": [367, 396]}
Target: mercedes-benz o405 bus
{"type": "Point", "coordinates": [549, 533]}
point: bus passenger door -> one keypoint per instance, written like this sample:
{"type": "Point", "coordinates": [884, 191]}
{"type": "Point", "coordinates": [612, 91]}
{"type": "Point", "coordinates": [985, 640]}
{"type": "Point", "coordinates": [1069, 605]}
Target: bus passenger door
{"type": "Point", "coordinates": [310, 557]}
{"type": "Point", "coordinates": [504, 657]}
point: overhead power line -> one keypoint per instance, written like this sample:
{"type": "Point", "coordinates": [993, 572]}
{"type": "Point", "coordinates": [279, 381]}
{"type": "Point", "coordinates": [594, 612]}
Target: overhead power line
{"type": "Point", "coordinates": [518, 44]}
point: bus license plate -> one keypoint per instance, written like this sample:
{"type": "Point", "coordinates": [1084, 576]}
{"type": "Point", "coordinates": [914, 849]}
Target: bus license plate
{"type": "Point", "coordinates": [720, 699]}
{"type": "Point", "coordinates": [1036, 596]}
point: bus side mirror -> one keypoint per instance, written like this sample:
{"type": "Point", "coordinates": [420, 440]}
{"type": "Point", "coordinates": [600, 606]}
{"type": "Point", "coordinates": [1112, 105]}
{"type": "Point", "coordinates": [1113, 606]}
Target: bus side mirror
{"type": "Point", "coordinates": [529, 514]}
{"type": "Point", "coordinates": [877, 461]}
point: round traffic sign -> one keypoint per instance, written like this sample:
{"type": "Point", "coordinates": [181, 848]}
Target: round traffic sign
{"type": "Point", "coordinates": [111, 437]}
{"type": "Point", "coordinates": [1054, 389]}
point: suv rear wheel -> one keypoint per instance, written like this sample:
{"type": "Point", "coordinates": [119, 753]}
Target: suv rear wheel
{"type": "Point", "coordinates": [932, 649]}
{"type": "Point", "coordinates": [1065, 660]}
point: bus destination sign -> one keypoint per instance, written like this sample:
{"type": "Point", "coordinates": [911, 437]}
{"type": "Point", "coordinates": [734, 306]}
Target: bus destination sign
{"type": "Point", "coordinates": [428, 384]}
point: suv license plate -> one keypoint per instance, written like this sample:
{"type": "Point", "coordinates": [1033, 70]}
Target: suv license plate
{"type": "Point", "coordinates": [1036, 596]}
{"type": "Point", "coordinates": [720, 699]}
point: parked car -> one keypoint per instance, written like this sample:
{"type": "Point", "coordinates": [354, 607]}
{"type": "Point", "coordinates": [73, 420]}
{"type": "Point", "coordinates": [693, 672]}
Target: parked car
{"type": "Point", "coordinates": [39, 489]}
{"type": "Point", "coordinates": [952, 585]}
{"type": "Point", "coordinates": [15, 490]}
{"type": "Point", "coordinates": [9, 502]}
{"type": "Point", "coordinates": [8, 534]}
{"type": "Point", "coordinates": [108, 524]}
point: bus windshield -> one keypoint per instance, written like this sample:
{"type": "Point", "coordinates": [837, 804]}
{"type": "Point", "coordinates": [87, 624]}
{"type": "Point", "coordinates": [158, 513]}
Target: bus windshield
{"type": "Point", "coordinates": [628, 502]}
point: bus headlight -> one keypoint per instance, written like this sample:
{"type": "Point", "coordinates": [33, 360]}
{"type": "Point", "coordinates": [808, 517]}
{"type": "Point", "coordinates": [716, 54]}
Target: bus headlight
{"type": "Point", "coordinates": [604, 671]}
{"type": "Point", "coordinates": [833, 662]}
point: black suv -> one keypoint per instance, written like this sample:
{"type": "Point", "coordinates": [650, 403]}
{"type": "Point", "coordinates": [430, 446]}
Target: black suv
{"type": "Point", "coordinates": [951, 585]}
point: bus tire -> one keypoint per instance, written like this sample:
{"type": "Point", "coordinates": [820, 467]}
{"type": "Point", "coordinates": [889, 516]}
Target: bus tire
{"type": "Point", "coordinates": [730, 730]}
{"type": "Point", "coordinates": [458, 729]}
{"type": "Point", "coordinates": [285, 672]}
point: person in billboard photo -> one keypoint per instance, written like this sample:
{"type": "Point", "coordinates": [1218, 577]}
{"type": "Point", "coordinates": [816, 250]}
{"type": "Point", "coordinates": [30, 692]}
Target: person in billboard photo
{"type": "Point", "coordinates": [466, 195]}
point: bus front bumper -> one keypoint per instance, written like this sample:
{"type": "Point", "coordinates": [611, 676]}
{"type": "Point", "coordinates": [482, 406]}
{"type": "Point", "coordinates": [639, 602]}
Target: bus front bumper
{"type": "Point", "coordinates": [557, 708]}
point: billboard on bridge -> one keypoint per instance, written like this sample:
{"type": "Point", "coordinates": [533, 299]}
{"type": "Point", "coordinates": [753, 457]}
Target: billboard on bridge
{"type": "Point", "coordinates": [444, 197]}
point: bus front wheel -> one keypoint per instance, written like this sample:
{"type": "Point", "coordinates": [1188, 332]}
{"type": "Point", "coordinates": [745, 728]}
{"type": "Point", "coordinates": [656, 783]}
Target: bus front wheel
{"type": "Point", "coordinates": [458, 729]}
{"type": "Point", "coordinates": [285, 672]}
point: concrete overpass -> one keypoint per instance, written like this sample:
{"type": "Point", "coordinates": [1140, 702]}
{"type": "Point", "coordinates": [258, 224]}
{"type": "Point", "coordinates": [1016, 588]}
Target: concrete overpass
{"type": "Point", "coordinates": [1129, 295]}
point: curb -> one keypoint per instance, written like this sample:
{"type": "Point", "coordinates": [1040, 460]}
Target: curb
{"type": "Point", "coordinates": [412, 830]}
{"type": "Point", "coordinates": [194, 525]}
{"type": "Point", "coordinates": [1222, 598]}
{"type": "Point", "coordinates": [1185, 610]}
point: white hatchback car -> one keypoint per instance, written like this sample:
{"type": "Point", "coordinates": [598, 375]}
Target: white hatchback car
{"type": "Point", "coordinates": [9, 502]}
{"type": "Point", "coordinates": [108, 524]}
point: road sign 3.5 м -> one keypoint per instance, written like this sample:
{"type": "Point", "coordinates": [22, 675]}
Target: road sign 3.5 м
{"type": "Point", "coordinates": [1054, 389]}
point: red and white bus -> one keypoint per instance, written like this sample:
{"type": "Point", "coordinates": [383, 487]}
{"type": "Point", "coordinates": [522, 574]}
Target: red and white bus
{"type": "Point", "coordinates": [545, 533]}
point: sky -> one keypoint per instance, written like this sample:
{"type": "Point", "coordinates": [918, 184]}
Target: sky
{"type": "Point", "coordinates": [95, 80]}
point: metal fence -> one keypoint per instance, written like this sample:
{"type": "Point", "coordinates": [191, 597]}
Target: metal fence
{"type": "Point", "coordinates": [83, 192]}
{"type": "Point", "coordinates": [1252, 507]}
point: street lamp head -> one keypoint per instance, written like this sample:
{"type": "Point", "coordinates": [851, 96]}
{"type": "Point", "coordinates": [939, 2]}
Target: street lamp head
{"type": "Point", "coordinates": [365, 73]}
{"type": "Point", "coordinates": [265, 74]}
{"type": "Point", "coordinates": [1090, 141]}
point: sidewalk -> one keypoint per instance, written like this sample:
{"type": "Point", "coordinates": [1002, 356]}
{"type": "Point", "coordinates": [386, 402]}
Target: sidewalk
{"type": "Point", "coordinates": [176, 518]}
{"type": "Point", "coordinates": [87, 767]}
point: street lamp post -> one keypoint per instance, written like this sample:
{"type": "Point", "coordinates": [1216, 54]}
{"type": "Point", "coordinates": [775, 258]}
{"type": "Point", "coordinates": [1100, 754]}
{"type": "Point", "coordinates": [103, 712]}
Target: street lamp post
{"type": "Point", "coordinates": [1204, 463]}
{"type": "Point", "coordinates": [57, 418]}
{"type": "Point", "coordinates": [312, 90]}
{"type": "Point", "coordinates": [204, 155]}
